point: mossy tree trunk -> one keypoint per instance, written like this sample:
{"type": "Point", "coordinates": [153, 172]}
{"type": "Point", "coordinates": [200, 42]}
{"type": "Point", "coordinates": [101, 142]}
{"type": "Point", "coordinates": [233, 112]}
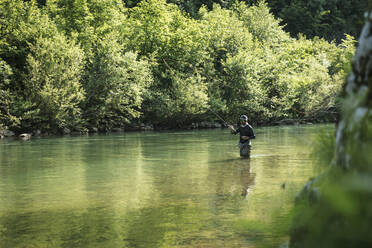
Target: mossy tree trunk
{"type": "Point", "coordinates": [335, 209]}
{"type": "Point", "coordinates": [353, 131]}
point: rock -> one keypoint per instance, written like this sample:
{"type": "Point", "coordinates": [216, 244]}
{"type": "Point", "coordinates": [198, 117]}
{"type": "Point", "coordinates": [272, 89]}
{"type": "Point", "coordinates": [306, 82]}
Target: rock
{"type": "Point", "coordinates": [118, 129]}
{"type": "Point", "coordinates": [1, 136]}
{"type": "Point", "coordinates": [37, 133]}
{"type": "Point", "coordinates": [149, 128]}
{"type": "Point", "coordinates": [93, 130]}
{"type": "Point", "coordinates": [283, 185]}
{"type": "Point", "coordinates": [144, 127]}
{"type": "Point", "coordinates": [8, 133]}
{"type": "Point", "coordinates": [25, 136]}
{"type": "Point", "coordinates": [286, 122]}
{"type": "Point", "coordinates": [66, 131]}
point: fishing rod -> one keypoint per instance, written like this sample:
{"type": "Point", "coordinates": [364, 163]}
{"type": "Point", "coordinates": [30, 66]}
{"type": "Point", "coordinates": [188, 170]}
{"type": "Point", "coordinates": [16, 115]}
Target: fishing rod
{"type": "Point", "coordinates": [219, 117]}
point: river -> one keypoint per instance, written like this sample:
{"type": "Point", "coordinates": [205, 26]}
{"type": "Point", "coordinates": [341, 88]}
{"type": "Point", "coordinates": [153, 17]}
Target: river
{"type": "Point", "coordinates": [153, 189]}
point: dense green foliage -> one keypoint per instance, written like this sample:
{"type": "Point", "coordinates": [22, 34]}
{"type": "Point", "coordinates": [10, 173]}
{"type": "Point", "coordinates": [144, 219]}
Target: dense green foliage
{"type": "Point", "coordinates": [96, 64]}
{"type": "Point", "coordinates": [329, 19]}
{"type": "Point", "coordinates": [42, 70]}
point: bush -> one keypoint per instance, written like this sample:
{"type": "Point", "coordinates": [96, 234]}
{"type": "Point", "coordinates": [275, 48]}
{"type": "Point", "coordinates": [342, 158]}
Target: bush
{"type": "Point", "coordinates": [115, 86]}
{"type": "Point", "coordinates": [7, 97]}
{"type": "Point", "coordinates": [53, 82]}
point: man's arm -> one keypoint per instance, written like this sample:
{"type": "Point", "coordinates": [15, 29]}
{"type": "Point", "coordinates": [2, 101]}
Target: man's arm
{"type": "Point", "coordinates": [231, 127]}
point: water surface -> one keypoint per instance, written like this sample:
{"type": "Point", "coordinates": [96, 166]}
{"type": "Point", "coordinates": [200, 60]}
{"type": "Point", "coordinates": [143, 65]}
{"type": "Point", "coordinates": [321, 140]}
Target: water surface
{"type": "Point", "coordinates": [152, 189]}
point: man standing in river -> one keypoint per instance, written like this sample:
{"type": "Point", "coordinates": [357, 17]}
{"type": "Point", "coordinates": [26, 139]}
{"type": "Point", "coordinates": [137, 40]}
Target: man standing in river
{"type": "Point", "coordinates": [246, 134]}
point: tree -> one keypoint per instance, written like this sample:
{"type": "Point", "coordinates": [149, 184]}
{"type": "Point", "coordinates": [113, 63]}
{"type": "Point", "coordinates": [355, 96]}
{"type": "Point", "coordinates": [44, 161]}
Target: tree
{"type": "Point", "coordinates": [7, 118]}
{"type": "Point", "coordinates": [116, 84]}
{"type": "Point", "coordinates": [53, 82]}
{"type": "Point", "coordinates": [327, 19]}
{"type": "Point", "coordinates": [174, 45]}
{"type": "Point", "coordinates": [46, 68]}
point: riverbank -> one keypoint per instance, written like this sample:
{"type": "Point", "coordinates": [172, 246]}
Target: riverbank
{"type": "Point", "coordinates": [5, 132]}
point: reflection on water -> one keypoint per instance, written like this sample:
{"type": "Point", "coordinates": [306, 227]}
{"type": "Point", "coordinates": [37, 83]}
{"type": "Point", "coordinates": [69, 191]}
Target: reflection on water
{"type": "Point", "coordinates": [153, 189]}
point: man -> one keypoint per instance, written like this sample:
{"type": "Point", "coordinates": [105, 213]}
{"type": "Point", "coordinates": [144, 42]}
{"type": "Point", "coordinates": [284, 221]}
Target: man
{"type": "Point", "coordinates": [246, 134]}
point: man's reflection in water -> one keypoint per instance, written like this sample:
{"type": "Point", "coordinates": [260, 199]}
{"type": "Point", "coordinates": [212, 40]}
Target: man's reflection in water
{"type": "Point", "coordinates": [246, 175]}
{"type": "Point", "coordinates": [231, 179]}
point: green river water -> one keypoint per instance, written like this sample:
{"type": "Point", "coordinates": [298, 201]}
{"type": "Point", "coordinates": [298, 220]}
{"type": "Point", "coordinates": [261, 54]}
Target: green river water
{"type": "Point", "coordinates": [153, 189]}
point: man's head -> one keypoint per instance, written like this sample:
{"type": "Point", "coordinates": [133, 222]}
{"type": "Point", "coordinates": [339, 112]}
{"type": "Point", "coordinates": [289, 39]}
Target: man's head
{"type": "Point", "coordinates": [243, 119]}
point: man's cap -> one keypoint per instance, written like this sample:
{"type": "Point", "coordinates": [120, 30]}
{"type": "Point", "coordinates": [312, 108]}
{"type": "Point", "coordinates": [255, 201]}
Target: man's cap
{"type": "Point", "coordinates": [243, 118]}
